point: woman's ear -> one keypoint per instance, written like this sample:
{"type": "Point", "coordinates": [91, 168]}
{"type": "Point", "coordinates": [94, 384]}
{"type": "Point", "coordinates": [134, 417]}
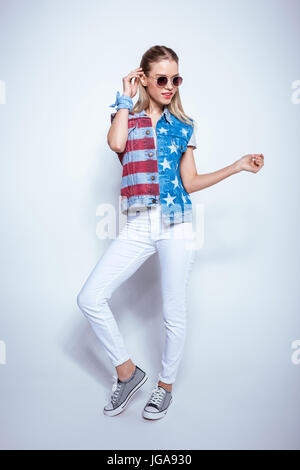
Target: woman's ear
{"type": "Point", "coordinates": [143, 79]}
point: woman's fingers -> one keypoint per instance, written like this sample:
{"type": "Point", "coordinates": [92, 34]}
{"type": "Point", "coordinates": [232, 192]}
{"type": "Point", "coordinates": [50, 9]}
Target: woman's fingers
{"type": "Point", "coordinates": [260, 159]}
{"type": "Point", "coordinates": [138, 71]}
{"type": "Point", "coordinates": [135, 84]}
{"type": "Point", "coordinates": [259, 165]}
{"type": "Point", "coordinates": [253, 161]}
{"type": "Point", "coordinates": [257, 158]}
{"type": "Point", "coordinates": [131, 76]}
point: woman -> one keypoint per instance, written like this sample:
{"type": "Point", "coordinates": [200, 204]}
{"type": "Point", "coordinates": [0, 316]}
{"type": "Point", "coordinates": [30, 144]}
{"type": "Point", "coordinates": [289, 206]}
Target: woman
{"type": "Point", "coordinates": [154, 140]}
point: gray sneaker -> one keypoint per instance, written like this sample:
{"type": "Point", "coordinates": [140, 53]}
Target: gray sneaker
{"type": "Point", "coordinates": [123, 390]}
{"type": "Point", "coordinates": [158, 403]}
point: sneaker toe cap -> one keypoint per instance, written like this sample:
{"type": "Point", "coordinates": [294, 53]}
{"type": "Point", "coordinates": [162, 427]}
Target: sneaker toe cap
{"type": "Point", "coordinates": [151, 409]}
{"type": "Point", "coordinates": [108, 407]}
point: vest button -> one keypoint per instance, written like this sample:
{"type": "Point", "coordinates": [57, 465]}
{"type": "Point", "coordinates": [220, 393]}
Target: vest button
{"type": "Point", "coordinates": [181, 147]}
{"type": "Point", "coordinates": [150, 154]}
{"type": "Point", "coordinates": [153, 200]}
{"type": "Point", "coordinates": [147, 131]}
{"type": "Point", "coordinates": [153, 177]}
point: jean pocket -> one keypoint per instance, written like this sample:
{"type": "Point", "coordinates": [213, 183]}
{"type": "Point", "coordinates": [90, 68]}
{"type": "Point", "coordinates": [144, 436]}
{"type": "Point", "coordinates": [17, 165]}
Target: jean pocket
{"type": "Point", "coordinates": [133, 214]}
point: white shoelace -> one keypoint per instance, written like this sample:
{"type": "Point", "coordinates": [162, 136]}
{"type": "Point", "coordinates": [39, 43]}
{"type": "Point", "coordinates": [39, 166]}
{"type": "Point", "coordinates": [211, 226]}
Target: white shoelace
{"type": "Point", "coordinates": [115, 389]}
{"type": "Point", "coordinates": [157, 395]}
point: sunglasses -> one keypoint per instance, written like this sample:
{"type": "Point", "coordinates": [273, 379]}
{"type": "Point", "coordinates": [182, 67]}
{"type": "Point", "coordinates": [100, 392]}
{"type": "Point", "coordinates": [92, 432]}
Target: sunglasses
{"type": "Point", "coordinates": [162, 81]}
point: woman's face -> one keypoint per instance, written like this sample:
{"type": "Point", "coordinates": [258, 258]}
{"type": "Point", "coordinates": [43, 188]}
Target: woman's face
{"type": "Point", "coordinates": [161, 95]}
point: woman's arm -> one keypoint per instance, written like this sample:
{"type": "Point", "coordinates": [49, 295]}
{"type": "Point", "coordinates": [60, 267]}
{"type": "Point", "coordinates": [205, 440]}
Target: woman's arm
{"type": "Point", "coordinates": [193, 182]}
{"type": "Point", "coordinates": [118, 132]}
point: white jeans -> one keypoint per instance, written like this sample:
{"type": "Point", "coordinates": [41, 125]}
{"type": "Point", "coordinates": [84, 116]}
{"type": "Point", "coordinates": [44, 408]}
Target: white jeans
{"type": "Point", "coordinates": [143, 234]}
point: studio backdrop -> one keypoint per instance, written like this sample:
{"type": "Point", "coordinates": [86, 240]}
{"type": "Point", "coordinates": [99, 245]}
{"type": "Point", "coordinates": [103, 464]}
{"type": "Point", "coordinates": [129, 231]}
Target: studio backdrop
{"type": "Point", "coordinates": [61, 64]}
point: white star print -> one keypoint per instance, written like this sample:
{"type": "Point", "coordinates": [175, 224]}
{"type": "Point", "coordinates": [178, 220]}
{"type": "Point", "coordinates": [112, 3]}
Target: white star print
{"type": "Point", "coordinates": [162, 130]}
{"type": "Point", "coordinates": [173, 148]}
{"type": "Point", "coordinates": [175, 182]}
{"type": "Point", "coordinates": [165, 164]}
{"type": "Point", "coordinates": [183, 198]}
{"type": "Point", "coordinates": [184, 131]}
{"type": "Point", "coordinates": [169, 199]}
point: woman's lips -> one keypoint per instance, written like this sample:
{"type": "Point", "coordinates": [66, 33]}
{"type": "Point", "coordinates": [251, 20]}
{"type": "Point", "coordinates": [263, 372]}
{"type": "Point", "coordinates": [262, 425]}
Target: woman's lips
{"type": "Point", "coordinates": [167, 95]}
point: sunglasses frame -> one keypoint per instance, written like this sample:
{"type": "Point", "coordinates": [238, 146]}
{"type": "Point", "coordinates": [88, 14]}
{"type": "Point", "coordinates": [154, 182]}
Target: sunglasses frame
{"type": "Point", "coordinates": [165, 76]}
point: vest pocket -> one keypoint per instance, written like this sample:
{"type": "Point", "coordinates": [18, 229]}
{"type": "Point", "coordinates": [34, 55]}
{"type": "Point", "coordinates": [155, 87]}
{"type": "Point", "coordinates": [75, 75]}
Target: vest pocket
{"type": "Point", "coordinates": [180, 142]}
{"type": "Point", "coordinates": [130, 129]}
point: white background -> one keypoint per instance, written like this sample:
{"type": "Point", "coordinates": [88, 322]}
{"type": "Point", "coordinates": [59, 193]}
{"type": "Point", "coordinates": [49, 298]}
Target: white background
{"type": "Point", "coordinates": [62, 63]}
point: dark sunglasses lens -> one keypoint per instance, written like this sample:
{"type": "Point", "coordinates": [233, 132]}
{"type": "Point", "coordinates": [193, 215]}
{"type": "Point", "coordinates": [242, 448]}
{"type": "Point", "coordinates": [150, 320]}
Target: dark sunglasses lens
{"type": "Point", "coordinates": [177, 81]}
{"type": "Point", "coordinates": [162, 81]}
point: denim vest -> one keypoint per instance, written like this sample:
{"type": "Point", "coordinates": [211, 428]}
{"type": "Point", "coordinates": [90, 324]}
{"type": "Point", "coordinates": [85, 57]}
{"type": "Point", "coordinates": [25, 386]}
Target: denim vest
{"type": "Point", "coordinates": [151, 175]}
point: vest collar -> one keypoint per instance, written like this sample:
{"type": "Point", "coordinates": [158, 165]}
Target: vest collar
{"type": "Point", "coordinates": [165, 112]}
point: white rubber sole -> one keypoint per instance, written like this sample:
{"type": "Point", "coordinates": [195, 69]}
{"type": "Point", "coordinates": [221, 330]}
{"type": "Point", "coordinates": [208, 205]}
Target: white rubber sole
{"type": "Point", "coordinates": [157, 414]}
{"type": "Point", "coordinates": [123, 405]}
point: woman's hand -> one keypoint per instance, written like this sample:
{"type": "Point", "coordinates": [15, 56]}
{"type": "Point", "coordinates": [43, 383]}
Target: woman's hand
{"type": "Point", "coordinates": [129, 88]}
{"type": "Point", "coordinates": [251, 162]}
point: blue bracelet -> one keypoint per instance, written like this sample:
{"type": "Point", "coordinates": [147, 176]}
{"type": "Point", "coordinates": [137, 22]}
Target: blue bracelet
{"type": "Point", "coordinates": [122, 102]}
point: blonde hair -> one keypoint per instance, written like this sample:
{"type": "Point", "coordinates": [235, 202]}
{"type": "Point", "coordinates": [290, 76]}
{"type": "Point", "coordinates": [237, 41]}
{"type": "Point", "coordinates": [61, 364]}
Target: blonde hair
{"type": "Point", "coordinates": [152, 55]}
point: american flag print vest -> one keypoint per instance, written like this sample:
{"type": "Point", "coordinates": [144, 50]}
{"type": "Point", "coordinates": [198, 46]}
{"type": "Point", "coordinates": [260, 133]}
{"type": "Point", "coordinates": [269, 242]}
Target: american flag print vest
{"type": "Point", "coordinates": [151, 173]}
